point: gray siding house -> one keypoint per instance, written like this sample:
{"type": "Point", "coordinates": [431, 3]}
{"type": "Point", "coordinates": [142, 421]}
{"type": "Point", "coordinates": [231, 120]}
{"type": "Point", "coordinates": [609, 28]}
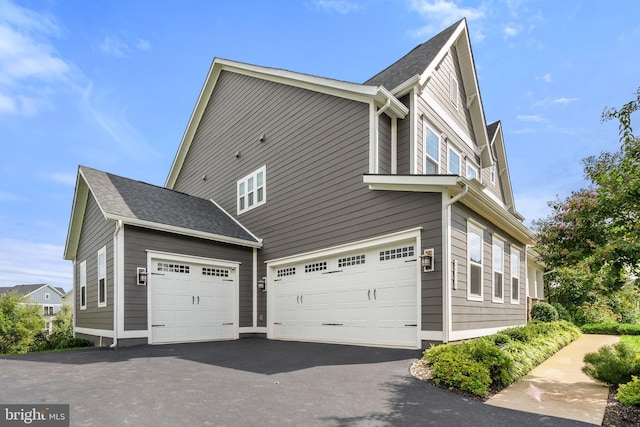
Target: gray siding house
{"type": "Point", "coordinates": [304, 208]}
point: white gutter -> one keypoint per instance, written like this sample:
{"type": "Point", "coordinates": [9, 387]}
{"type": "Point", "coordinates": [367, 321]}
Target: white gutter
{"type": "Point", "coordinates": [115, 284]}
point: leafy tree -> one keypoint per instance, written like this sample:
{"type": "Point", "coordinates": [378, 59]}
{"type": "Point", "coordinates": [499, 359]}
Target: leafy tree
{"type": "Point", "coordinates": [63, 323]}
{"type": "Point", "coordinates": [19, 323]}
{"type": "Point", "coordinates": [591, 240]}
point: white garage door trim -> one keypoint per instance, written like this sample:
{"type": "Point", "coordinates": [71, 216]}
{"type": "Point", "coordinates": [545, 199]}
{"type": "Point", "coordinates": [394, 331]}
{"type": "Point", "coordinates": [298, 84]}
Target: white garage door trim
{"type": "Point", "coordinates": [413, 236]}
{"type": "Point", "coordinates": [188, 259]}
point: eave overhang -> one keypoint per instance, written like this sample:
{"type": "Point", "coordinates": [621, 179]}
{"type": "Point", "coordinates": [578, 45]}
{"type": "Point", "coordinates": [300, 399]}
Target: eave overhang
{"type": "Point", "coordinates": [474, 198]}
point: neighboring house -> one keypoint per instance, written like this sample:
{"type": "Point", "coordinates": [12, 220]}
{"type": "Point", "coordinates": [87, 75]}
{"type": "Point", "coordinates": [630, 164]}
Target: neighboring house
{"type": "Point", "coordinates": [305, 208]}
{"type": "Point", "coordinates": [47, 297]}
{"type": "Point", "coordinates": [68, 298]}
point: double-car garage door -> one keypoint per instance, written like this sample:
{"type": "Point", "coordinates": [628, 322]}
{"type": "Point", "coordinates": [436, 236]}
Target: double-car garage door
{"type": "Point", "coordinates": [366, 297]}
{"type": "Point", "coordinates": [192, 301]}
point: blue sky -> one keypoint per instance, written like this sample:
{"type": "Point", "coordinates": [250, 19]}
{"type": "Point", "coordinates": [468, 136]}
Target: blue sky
{"type": "Point", "coordinates": [111, 85]}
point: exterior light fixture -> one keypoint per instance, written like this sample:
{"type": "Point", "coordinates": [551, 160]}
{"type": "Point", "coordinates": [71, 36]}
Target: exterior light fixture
{"type": "Point", "coordinates": [142, 276]}
{"type": "Point", "coordinates": [427, 260]}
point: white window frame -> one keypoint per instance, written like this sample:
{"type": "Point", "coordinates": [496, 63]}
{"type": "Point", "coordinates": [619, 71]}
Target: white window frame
{"type": "Point", "coordinates": [46, 309]}
{"type": "Point", "coordinates": [428, 157]}
{"type": "Point", "coordinates": [454, 92]}
{"type": "Point", "coordinates": [474, 168]}
{"type": "Point", "coordinates": [474, 228]}
{"type": "Point", "coordinates": [47, 296]}
{"type": "Point", "coordinates": [102, 275]}
{"type": "Point", "coordinates": [243, 192]}
{"type": "Point", "coordinates": [497, 245]}
{"type": "Point", "coordinates": [492, 173]}
{"type": "Point", "coordinates": [451, 149]}
{"type": "Point", "coordinates": [515, 274]}
{"type": "Point", "coordinates": [83, 285]}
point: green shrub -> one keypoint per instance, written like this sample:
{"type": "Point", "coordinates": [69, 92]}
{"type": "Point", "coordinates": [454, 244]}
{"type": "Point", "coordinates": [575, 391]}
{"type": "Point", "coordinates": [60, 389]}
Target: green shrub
{"type": "Point", "coordinates": [629, 329]}
{"type": "Point", "coordinates": [612, 364]}
{"type": "Point", "coordinates": [544, 312]}
{"type": "Point", "coordinates": [597, 312]}
{"type": "Point", "coordinates": [519, 333]}
{"type": "Point", "coordinates": [629, 393]}
{"type": "Point", "coordinates": [609, 328]}
{"type": "Point", "coordinates": [563, 313]}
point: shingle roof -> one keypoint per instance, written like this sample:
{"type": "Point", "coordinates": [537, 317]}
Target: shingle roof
{"type": "Point", "coordinates": [491, 129]}
{"type": "Point", "coordinates": [130, 199]}
{"type": "Point", "coordinates": [27, 289]}
{"type": "Point", "coordinates": [414, 62]}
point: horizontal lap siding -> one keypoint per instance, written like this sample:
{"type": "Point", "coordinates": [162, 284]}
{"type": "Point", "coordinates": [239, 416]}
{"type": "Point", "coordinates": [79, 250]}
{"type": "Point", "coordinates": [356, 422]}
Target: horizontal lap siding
{"type": "Point", "coordinates": [316, 151]}
{"type": "Point", "coordinates": [404, 141]}
{"type": "Point", "coordinates": [483, 314]}
{"type": "Point", "coordinates": [138, 241]}
{"type": "Point", "coordinates": [96, 233]}
{"type": "Point", "coordinates": [384, 145]}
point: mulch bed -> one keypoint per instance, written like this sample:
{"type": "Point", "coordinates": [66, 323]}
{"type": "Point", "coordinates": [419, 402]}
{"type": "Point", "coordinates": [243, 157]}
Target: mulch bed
{"type": "Point", "coordinates": [615, 415]}
{"type": "Point", "coordinates": [618, 415]}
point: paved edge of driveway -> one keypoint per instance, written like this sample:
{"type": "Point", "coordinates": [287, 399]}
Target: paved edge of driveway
{"type": "Point", "coordinates": [559, 388]}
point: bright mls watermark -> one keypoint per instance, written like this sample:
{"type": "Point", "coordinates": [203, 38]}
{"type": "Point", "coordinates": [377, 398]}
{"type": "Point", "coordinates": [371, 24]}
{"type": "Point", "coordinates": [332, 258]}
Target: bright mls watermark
{"type": "Point", "coordinates": [34, 415]}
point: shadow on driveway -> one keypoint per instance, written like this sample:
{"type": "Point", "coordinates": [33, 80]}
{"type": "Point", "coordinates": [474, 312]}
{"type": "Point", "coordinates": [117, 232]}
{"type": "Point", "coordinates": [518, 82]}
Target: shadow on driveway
{"type": "Point", "coordinates": [255, 355]}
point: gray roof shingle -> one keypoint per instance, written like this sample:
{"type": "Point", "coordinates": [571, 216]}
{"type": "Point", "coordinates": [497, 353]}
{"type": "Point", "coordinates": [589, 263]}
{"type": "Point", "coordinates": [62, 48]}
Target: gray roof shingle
{"type": "Point", "coordinates": [491, 130]}
{"type": "Point", "coordinates": [128, 198]}
{"type": "Point", "coordinates": [414, 62]}
{"type": "Point", "coordinates": [26, 289]}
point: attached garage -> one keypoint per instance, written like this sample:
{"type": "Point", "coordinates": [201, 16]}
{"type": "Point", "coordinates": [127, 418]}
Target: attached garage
{"type": "Point", "coordinates": [192, 299]}
{"type": "Point", "coordinates": [366, 295]}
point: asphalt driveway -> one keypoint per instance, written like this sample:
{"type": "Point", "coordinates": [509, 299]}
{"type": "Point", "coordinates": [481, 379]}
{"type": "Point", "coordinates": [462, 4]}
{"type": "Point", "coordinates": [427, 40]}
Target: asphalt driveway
{"type": "Point", "coordinates": [249, 382]}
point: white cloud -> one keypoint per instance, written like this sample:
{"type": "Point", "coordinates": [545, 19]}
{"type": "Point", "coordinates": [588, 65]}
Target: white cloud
{"type": "Point", "coordinates": [143, 44]}
{"type": "Point", "coordinates": [442, 13]}
{"type": "Point", "coordinates": [547, 78]}
{"type": "Point", "coordinates": [66, 178]}
{"type": "Point", "coordinates": [23, 262]}
{"type": "Point", "coordinates": [9, 196]}
{"type": "Point", "coordinates": [510, 31]}
{"type": "Point", "coordinates": [564, 100]}
{"type": "Point", "coordinates": [342, 7]}
{"type": "Point", "coordinates": [531, 118]}
{"type": "Point", "coordinates": [28, 59]}
{"type": "Point", "coordinates": [113, 46]}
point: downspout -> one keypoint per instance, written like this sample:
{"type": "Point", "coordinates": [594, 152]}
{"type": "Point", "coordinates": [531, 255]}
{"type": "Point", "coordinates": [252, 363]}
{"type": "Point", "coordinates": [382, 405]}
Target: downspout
{"type": "Point", "coordinates": [115, 284]}
{"type": "Point", "coordinates": [446, 263]}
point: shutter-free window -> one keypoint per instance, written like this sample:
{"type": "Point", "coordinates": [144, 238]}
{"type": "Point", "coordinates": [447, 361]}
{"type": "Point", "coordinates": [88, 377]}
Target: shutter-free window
{"type": "Point", "coordinates": [102, 277]}
{"type": "Point", "coordinates": [474, 248]}
{"type": "Point", "coordinates": [432, 151]}
{"type": "Point", "coordinates": [515, 275]}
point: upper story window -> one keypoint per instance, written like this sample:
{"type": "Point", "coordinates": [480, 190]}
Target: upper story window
{"type": "Point", "coordinates": [515, 275]}
{"type": "Point", "coordinates": [472, 171]}
{"type": "Point", "coordinates": [432, 151]}
{"type": "Point", "coordinates": [252, 190]}
{"type": "Point", "coordinates": [453, 90]}
{"type": "Point", "coordinates": [453, 164]}
{"type": "Point", "coordinates": [47, 295]}
{"type": "Point", "coordinates": [102, 277]}
{"type": "Point", "coordinates": [474, 251]}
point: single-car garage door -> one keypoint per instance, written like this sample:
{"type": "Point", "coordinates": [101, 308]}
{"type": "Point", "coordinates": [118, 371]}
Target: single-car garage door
{"type": "Point", "coordinates": [192, 301]}
{"type": "Point", "coordinates": [366, 297]}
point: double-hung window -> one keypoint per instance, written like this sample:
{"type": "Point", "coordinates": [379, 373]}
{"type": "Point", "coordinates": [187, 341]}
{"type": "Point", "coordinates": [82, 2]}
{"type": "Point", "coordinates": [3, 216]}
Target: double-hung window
{"type": "Point", "coordinates": [515, 276]}
{"type": "Point", "coordinates": [498, 270]}
{"type": "Point", "coordinates": [102, 277]}
{"type": "Point", "coordinates": [474, 250]}
{"type": "Point", "coordinates": [432, 151]}
{"type": "Point", "coordinates": [453, 163]}
{"type": "Point", "coordinates": [252, 190]}
{"type": "Point", "coordinates": [83, 285]}
{"type": "Point", "coordinates": [472, 171]}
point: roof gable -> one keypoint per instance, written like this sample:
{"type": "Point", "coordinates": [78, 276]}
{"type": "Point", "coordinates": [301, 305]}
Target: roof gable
{"type": "Point", "coordinates": [494, 130]}
{"type": "Point", "coordinates": [355, 91]}
{"type": "Point", "coordinates": [29, 289]}
{"type": "Point", "coordinates": [138, 203]}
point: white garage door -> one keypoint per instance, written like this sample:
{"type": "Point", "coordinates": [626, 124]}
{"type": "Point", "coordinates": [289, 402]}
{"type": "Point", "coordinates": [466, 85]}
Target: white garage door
{"type": "Point", "coordinates": [191, 301]}
{"type": "Point", "coordinates": [367, 297]}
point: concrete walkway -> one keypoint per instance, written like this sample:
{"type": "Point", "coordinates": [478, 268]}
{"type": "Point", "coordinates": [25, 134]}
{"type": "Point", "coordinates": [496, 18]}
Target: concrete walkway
{"type": "Point", "coordinates": [559, 388]}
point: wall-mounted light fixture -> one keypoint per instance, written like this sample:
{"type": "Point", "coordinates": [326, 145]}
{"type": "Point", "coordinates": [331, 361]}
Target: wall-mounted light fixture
{"type": "Point", "coordinates": [262, 284]}
{"type": "Point", "coordinates": [141, 276]}
{"type": "Point", "coordinates": [427, 260]}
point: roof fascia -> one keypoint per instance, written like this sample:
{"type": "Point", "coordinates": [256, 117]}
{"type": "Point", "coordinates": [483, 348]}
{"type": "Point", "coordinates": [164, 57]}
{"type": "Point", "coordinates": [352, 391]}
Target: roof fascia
{"type": "Point", "coordinates": [184, 231]}
{"type": "Point", "coordinates": [236, 221]}
{"type": "Point", "coordinates": [78, 207]}
{"type": "Point", "coordinates": [354, 91]}
{"type": "Point", "coordinates": [417, 183]}
{"type": "Point", "coordinates": [503, 169]}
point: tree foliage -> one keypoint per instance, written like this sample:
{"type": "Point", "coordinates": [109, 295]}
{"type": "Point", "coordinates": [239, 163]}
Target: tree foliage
{"type": "Point", "coordinates": [19, 323]}
{"type": "Point", "coordinates": [592, 238]}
